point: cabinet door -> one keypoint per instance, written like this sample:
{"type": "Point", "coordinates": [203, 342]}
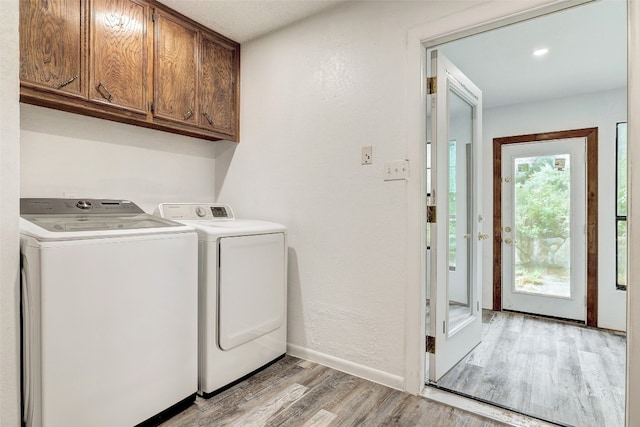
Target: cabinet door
{"type": "Point", "coordinates": [118, 53]}
{"type": "Point", "coordinates": [175, 70]}
{"type": "Point", "coordinates": [219, 65]}
{"type": "Point", "coordinates": [51, 45]}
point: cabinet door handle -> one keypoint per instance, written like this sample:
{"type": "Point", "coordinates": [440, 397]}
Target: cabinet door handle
{"type": "Point", "coordinates": [208, 117]}
{"type": "Point", "coordinates": [108, 98]}
{"type": "Point", "coordinates": [68, 82]}
{"type": "Point", "coordinates": [188, 115]}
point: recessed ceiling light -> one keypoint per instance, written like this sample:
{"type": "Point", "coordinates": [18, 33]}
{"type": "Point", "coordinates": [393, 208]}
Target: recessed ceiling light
{"type": "Point", "coordinates": [540, 52]}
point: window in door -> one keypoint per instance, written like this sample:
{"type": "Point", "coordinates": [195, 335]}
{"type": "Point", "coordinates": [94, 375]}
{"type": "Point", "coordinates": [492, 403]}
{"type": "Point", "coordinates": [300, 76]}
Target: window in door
{"type": "Point", "coordinates": [621, 206]}
{"type": "Point", "coordinates": [452, 206]}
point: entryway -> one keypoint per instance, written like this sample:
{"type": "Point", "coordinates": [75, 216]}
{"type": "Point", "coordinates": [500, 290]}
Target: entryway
{"type": "Point", "coordinates": [546, 224]}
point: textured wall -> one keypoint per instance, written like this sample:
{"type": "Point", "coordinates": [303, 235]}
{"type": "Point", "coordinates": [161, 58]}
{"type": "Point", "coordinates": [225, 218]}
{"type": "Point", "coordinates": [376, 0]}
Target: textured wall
{"type": "Point", "coordinates": [312, 96]}
{"type": "Point", "coordinates": [88, 157]}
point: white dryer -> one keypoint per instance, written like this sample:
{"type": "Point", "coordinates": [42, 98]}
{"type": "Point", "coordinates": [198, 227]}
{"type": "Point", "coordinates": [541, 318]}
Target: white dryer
{"type": "Point", "coordinates": [109, 300]}
{"type": "Point", "coordinates": [242, 292]}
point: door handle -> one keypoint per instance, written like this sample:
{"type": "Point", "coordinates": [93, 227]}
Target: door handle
{"type": "Point", "coordinates": [509, 241]}
{"type": "Point", "coordinates": [68, 82]}
{"type": "Point", "coordinates": [467, 236]}
{"type": "Point", "coordinates": [482, 236]}
{"type": "Point", "coordinates": [101, 85]}
{"type": "Point", "coordinates": [208, 117]}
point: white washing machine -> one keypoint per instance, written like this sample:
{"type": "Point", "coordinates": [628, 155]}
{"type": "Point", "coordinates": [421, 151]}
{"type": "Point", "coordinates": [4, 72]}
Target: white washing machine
{"type": "Point", "coordinates": [109, 300]}
{"type": "Point", "coordinates": [242, 292]}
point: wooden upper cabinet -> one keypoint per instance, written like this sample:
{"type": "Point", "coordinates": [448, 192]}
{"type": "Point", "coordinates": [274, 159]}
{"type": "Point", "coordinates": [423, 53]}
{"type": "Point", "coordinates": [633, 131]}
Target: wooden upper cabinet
{"type": "Point", "coordinates": [131, 61]}
{"type": "Point", "coordinates": [118, 53]}
{"type": "Point", "coordinates": [174, 88]}
{"type": "Point", "coordinates": [51, 47]}
{"type": "Point", "coordinates": [218, 95]}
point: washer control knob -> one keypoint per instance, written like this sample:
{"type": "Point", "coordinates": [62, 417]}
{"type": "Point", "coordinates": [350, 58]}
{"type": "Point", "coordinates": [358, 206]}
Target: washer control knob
{"type": "Point", "coordinates": [83, 204]}
{"type": "Point", "coordinates": [200, 211]}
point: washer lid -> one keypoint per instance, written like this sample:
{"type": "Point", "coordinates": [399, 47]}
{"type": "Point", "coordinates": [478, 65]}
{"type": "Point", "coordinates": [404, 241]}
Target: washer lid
{"type": "Point", "coordinates": [64, 219]}
{"type": "Point", "coordinates": [62, 223]}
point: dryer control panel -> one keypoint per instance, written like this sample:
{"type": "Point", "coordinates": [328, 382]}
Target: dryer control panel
{"type": "Point", "coordinates": [195, 211]}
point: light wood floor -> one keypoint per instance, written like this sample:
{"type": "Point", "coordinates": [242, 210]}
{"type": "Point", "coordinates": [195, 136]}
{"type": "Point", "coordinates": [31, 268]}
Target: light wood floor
{"type": "Point", "coordinates": [556, 370]}
{"type": "Point", "coordinates": [294, 392]}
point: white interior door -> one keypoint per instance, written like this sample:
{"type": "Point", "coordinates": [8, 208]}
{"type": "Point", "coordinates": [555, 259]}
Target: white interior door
{"type": "Point", "coordinates": [544, 228]}
{"type": "Point", "coordinates": [454, 186]}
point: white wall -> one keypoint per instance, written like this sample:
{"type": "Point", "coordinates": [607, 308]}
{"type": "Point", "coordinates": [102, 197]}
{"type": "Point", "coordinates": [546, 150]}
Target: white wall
{"type": "Point", "coordinates": [94, 158]}
{"type": "Point", "coordinates": [312, 95]}
{"type": "Point", "coordinates": [602, 110]}
{"type": "Point", "coordinates": [9, 193]}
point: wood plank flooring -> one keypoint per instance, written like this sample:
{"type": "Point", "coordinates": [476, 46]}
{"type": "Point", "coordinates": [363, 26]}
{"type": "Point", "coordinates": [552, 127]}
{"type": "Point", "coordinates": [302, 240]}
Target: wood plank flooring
{"type": "Point", "coordinates": [294, 392]}
{"type": "Point", "coordinates": [559, 371]}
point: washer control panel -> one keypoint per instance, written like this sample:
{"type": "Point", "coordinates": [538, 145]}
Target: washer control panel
{"type": "Point", "coordinates": [57, 206]}
{"type": "Point", "coordinates": [195, 211]}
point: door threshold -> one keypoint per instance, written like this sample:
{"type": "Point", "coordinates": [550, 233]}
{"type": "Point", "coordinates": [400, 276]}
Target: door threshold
{"type": "Point", "coordinates": [544, 316]}
{"type": "Point", "coordinates": [484, 409]}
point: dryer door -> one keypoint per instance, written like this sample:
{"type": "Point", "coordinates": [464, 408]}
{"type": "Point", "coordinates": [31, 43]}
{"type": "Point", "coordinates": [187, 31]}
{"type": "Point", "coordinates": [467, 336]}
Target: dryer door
{"type": "Point", "coordinates": [251, 287]}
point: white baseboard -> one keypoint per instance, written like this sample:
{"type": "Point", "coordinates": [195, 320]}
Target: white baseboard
{"type": "Point", "coordinates": [355, 369]}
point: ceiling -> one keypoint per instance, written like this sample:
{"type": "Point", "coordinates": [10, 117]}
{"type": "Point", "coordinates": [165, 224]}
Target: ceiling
{"type": "Point", "coordinates": [244, 20]}
{"type": "Point", "coordinates": [587, 53]}
{"type": "Point", "coordinates": [587, 45]}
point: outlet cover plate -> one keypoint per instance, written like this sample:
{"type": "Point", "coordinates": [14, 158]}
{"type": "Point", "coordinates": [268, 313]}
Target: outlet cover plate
{"type": "Point", "coordinates": [367, 155]}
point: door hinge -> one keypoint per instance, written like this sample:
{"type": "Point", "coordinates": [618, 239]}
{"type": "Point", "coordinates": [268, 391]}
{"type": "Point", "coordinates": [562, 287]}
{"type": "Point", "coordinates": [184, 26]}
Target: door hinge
{"type": "Point", "coordinates": [153, 16]}
{"type": "Point", "coordinates": [431, 85]}
{"type": "Point", "coordinates": [431, 214]}
{"type": "Point", "coordinates": [151, 107]}
{"type": "Point", "coordinates": [431, 345]}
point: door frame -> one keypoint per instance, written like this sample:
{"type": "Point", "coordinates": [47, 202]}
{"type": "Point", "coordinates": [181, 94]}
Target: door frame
{"type": "Point", "coordinates": [591, 135]}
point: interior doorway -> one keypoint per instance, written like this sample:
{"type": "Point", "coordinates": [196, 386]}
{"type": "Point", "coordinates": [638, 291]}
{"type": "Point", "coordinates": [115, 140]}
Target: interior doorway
{"type": "Point", "coordinates": [517, 103]}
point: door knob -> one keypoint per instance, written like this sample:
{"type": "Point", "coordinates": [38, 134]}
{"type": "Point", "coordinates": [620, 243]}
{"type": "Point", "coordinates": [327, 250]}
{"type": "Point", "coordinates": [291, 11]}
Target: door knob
{"type": "Point", "coordinates": [467, 236]}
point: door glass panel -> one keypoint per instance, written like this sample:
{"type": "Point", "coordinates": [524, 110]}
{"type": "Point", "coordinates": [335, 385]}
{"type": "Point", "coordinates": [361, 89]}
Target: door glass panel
{"type": "Point", "coordinates": [460, 204]}
{"type": "Point", "coordinates": [542, 225]}
{"type": "Point", "coordinates": [622, 254]}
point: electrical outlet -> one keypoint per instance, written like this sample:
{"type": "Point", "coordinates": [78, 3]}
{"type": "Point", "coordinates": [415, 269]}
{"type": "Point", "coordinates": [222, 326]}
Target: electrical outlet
{"type": "Point", "coordinates": [396, 170]}
{"type": "Point", "coordinates": [367, 155]}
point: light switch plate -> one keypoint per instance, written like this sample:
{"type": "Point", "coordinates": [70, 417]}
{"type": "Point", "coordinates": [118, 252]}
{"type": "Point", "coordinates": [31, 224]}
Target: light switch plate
{"type": "Point", "coordinates": [396, 170]}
